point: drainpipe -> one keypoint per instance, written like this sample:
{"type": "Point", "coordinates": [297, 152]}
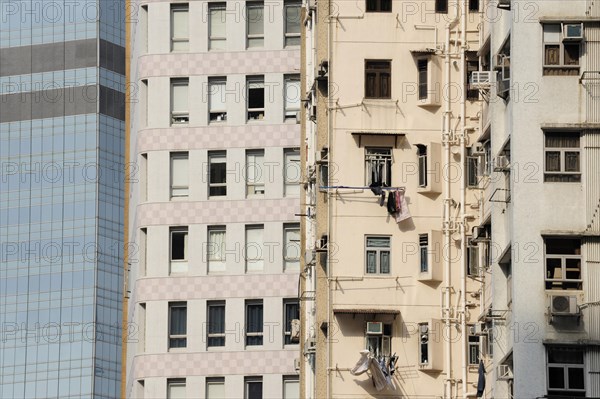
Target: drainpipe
{"type": "Point", "coordinates": [463, 180]}
{"type": "Point", "coordinates": [329, 202]}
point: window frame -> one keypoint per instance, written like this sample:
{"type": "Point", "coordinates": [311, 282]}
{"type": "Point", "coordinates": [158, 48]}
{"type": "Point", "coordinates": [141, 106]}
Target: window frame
{"type": "Point", "coordinates": [287, 324]}
{"type": "Point", "coordinates": [252, 380]}
{"type": "Point", "coordinates": [564, 281]}
{"type": "Point", "coordinates": [424, 253]}
{"type": "Point", "coordinates": [215, 114]}
{"type": "Point", "coordinates": [381, 340]}
{"type": "Point", "coordinates": [565, 366]}
{"type": "Point", "coordinates": [474, 350]}
{"type": "Point", "coordinates": [373, 157]}
{"type": "Point", "coordinates": [289, 379]}
{"type": "Point", "coordinates": [289, 261]}
{"type": "Point", "coordinates": [562, 174]}
{"type": "Point", "coordinates": [422, 165]}
{"type": "Point", "coordinates": [561, 65]}
{"type": "Point", "coordinates": [211, 247]}
{"type": "Point", "coordinates": [256, 185]}
{"type": "Point", "coordinates": [423, 77]}
{"type": "Point", "coordinates": [291, 156]}
{"type": "Point", "coordinates": [260, 260]}
{"type": "Point", "coordinates": [213, 381]}
{"type": "Point", "coordinates": [379, 6]}
{"type": "Point", "coordinates": [255, 114]}
{"type": "Point", "coordinates": [180, 117]}
{"type": "Point", "coordinates": [378, 251]}
{"type": "Point", "coordinates": [173, 156]}
{"type": "Point", "coordinates": [377, 68]}
{"type": "Point", "coordinates": [175, 8]}
{"type": "Point", "coordinates": [259, 333]}
{"type": "Point", "coordinates": [255, 36]}
{"type": "Point", "coordinates": [290, 36]}
{"type": "Point", "coordinates": [217, 336]}
{"type": "Point", "coordinates": [423, 352]}
{"type": "Point", "coordinates": [212, 39]}
{"type": "Point", "coordinates": [219, 156]}
{"type": "Point", "coordinates": [175, 382]}
{"type": "Point", "coordinates": [290, 113]}
{"type": "Point", "coordinates": [174, 337]}
{"type": "Point", "coordinates": [182, 262]}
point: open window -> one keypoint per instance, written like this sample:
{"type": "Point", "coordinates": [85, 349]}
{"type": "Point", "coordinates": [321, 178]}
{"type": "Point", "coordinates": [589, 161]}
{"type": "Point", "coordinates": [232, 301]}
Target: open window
{"type": "Point", "coordinates": [430, 256]}
{"type": "Point", "coordinates": [217, 173]}
{"type": "Point", "coordinates": [217, 104]}
{"type": "Point", "coordinates": [292, 96]}
{"type": "Point", "coordinates": [255, 173]}
{"type": "Point", "coordinates": [256, 97]}
{"type": "Point", "coordinates": [428, 79]}
{"type": "Point", "coordinates": [429, 167]}
{"type": "Point", "coordinates": [430, 342]}
{"type": "Point", "coordinates": [563, 264]}
{"type": "Point", "coordinates": [378, 166]}
{"type": "Point", "coordinates": [378, 339]}
{"type": "Point", "coordinates": [179, 249]}
{"type": "Point", "coordinates": [379, 6]}
{"type": "Point", "coordinates": [291, 310]}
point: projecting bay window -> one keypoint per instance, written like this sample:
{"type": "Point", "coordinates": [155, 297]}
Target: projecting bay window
{"type": "Point", "coordinates": [377, 255]}
{"type": "Point", "coordinates": [378, 167]}
{"type": "Point", "coordinates": [217, 173]}
{"type": "Point", "coordinates": [292, 23]}
{"type": "Point", "coordinates": [179, 249]}
{"type": "Point", "coordinates": [180, 113]}
{"type": "Point", "coordinates": [255, 24]}
{"type": "Point", "coordinates": [292, 96]}
{"type": "Point", "coordinates": [217, 32]}
{"type": "Point", "coordinates": [216, 323]}
{"type": "Point", "coordinates": [215, 250]}
{"type": "Point", "coordinates": [562, 156]}
{"type": "Point", "coordinates": [177, 324]}
{"type": "Point", "coordinates": [563, 264]}
{"type": "Point", "coordinates": [179, 174]}
{"type": "Point", "coordinates": [378, 79]}
{"type": "Point", "coordinates": [216, 99]}
{"type": "Point", "coordinates": [255, 173]}
{"type": "Point", "coordinates": [562, 48]}
{"type": "Point", "coordinates": [423, 252]}
{"type": "Point", "coordinates": [566, 371]}
{"type": "Point", "coordinates": [180, 36]}
{"type": "Point", "coordinates": [255, 87]}
{"type": "Point", "coordinates": [423, 344]}
{"type": "Point", "coordinates": [254, 322]}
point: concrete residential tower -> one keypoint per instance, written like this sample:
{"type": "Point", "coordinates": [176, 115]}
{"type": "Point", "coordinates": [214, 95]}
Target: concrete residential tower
{"type": "Point", "coordinates": [215, 142]}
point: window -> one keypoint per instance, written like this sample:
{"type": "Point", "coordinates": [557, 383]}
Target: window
{"type": "Point", "coordinates": [291, 387]}
{"type": "Point", "coordinates": [179, 244]}
{"type": "Point", "coordinates": [254, 249]}
{"type": "Point", "coordinates": [423, 251]}
{"type": "Point", "coordinates": [256, 97]}
{"type": "Point", "coordinates": [180, 35]}
{"type": "Point", "coordinates": [291, 249]}
{"type": "Point", "coordinates": [378, 79]}
{"type": "Point", "coordinates": [562, 157]}
{"type": "Point", "coordinates": [255, 24]}
{"type": "Point", "coordinates": [422, 156]}
{"type": "Point", "coordinates": [473, 260]}
{"type": "Point", "coordinates": [217, 32]}
{"type": "Point", "coordinates": [473, 171]}
{"type": "Point", "coordinates": [378, 166]}
{"type": "Point", "coordinates": [292, 23]}
{"type": "Point", "coordinates": [291, 172]}
{"type": "Point", "coordinates": [566, 371]}
{"type": "Point", "coordinates": [177, 324]}
{"type": "Point", "coordinates": [176, 388]}
{"type": "Point", "coordinates": [253, 388]}
{"type": "Point", "coordinates": [291, 311]}
{"type": "Point", "coordinates": [215, 388]}
{"type": "Point", "coordinates": [179, 174]}
{"type": "Point", "coordinates": [379, 343]}
{"type": "Point", "coordinates": [378, 255]}
{"type": "Point", "coordinates": [422, 67]}
{"type": "Point", "coordinates": [217, 101]}
{"type": "Point", "coordinates": [563, 264]}
{"type": "Point", "coordinates": [441, 6]}
{"type": "Point", "coordinates": [561, 56]}
{"type": "Point", "coordinates": [379, 5]}
{"type": "Point", "coordinates": [423, 343]}
{"type": "Point", "coordinates": [215, 250]}
{"type": "Point", "coordinates": [180, 113]}
{"type": "Point", "coordinates": [255, 173]}
{"type": "Point", "coordinates": [473, 5]}
{"type": "Point", "coordinates": [254, 322]}
{"type": "Point", "coordinates": [215, 311]}
{"type": "Point", "coordinates": [217, 181]}
{"type": "Point", "coordinates": [472, 66]}
{"type": "Point", "coordinates": [473, 349]}
{"type": "Point", "coordinates": [292, 96]}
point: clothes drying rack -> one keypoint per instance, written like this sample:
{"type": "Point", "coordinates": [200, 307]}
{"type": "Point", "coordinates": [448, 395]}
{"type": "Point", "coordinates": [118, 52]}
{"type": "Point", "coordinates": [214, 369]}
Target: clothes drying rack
{"type": "Point", "coordinates": [360, 188]}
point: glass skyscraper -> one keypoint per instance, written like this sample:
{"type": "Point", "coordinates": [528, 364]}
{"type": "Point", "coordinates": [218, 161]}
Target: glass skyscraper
{"type": "Point", "coordinates": [62, 85]}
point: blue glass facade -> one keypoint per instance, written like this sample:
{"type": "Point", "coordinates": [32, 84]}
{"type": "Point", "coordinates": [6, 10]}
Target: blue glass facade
{"type": "Point", "coordinates": [61, 197]}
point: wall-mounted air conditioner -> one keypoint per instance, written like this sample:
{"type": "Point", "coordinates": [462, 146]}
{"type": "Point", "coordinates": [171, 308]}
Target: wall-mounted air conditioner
{"type": "Point", "coordinates": [477, 148]}
{"type": "Point", "coordinates": [573, 32]}
{"type": "Point", "coordinates": [480, 233]}
{"type": "Point", "coordinates": [481, 79]}
{"type": "Point", "coordinates": [504, 372]}
{"type": "Point", "coordinates": [501, 163]}
{"type": "Point", "coordinates": [374, 327]}
{"type": "Point", "coordinates": [563, 305]}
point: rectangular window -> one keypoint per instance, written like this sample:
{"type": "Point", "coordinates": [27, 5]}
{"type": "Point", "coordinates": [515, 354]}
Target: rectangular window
{"type": "Point", "coordinates": [180, 113]}
{"type": "Point", "coordinates": [179, 244]}
{"type": "Point", "coordinates": [255, 173]}
{"type": "Point", "coordinates": [180, 34]}
{"type": "Point", "coordinates": [254, 322]}
{"type": "Point", "coordinates": [291, 249]}
{"type": "Point", "coordinates": [291, 387]}
{"type": "Point", "coordinates": [473, 349]}
{"type": "Point", "coordinates": [562, 154]}
{"type": "Point", "coordinates": [256, 97]}
{"type": "Point", "coordinates": [292, 96]}
{"type": "Point", "coordinates": [378, 167]}
{"type": "Point", "coordinates": [473, 5]}
{"type": "Point", "coordinates": [217, 102]}
{"type": "Point", "coordinates": [217, 179]}
{"type": "Point", "coordinates": [566, 371]}
{"type": "Point", "coordinates": [179, 174]}
{"type": "Point", "coordinates": [215, 250]}
{"type": "Point", "coordinates": [177, 324]}
{"type": "Point", "coordinates": [176, 388]}
{"type": "Point", "coordinates": [379, 5]}
{"type": "Point", "coordinates": [291, 172]}
{"type": "Point", "coordinates": [215, 388]}
{"type": "Point", "coordinates": [422, 156]}
{"type": "Point", "coordinates": [423, 251]}
{"type": "Point", "coordinates": [441, 6]}
{"type": "Point", "coordinates": [561, 55]}
{"type": "Point", "coordinates": [563, 264]}
{"type": "Point", "coordinates": [473, 260]}
{"type": "Point", "coordinates": [379, 342]}
{"type": "Point", "coordinates": [254, 249]}
{"type": "Point", "coordinates": [473, 171]}
{"type": "Point", "coordinates": [292, 23]}
{"type": "Point", "coordinates": [378, 255]}
{"type": "Point", "coordinates": [217, 32]}
{"type": "Point", "coordinates": [422, 67]}
{"type": "Point", "coordinates": [291, 311]}
{"type": "Point", "coordinates": [423, 343]}
{"type": "Point", "coordinates": [215, 311]}
{"type": "Point", "coordinates": [472, 66]}
{"type": "Point", "coordinates": [255, 24]}
{"type": "Point", "coordinates": [378, 79]}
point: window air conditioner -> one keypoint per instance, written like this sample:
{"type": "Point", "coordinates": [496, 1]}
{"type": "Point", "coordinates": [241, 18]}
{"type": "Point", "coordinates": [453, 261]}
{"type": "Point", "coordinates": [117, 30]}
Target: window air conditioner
{"type": "Point", "coordinates": [374, 327]}
{"type": "Point", "coordinates": [573, 31]}
{"type": "Point", "coordinates": [481, 79]}
{"type": "Point", "coordinates": [501, 163]}
{"type": "Point", "coordinates": [479, 233]}
{"type": "Point", "coordinates": [295, 330]}
{"type": "Point", "coordinates": [477, 149]}
{"type": "Point", "coordinates": [563, 305]}
{"type": "Point", "coordinates": [504, 372]}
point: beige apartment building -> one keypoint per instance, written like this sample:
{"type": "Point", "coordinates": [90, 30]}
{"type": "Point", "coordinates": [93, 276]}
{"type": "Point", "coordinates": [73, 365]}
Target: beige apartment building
{"type": "Point", "coordinates": [390, 197]}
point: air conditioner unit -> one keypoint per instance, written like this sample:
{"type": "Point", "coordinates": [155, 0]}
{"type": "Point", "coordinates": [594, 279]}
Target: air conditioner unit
{"type": "Point", "coordinates": [564, 305]}
{"type": "Point", "coordinates": [295, 330]}
{"type": "Point", "coordinates": [504, 372]}
{"type": "Point", "coordinates": [504, 4]}
{"type": "Point", "coordinates": [481, 79]}
{"type": "Point", "coordinates": [477, 149]}
{"type": "Point", "coordinates": [479, 233]}
{"type": "Point", "coordinates": [501, 163]}
{"type": "Point", "coordinates": [573, 32]}
{"type": "Point", "coordinates": [374, 327]}
{"type": "Point", "coordinates": [297, 364]}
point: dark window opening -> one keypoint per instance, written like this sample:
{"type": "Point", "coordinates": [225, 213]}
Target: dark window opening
{"type": "Point", "coordinates": [422, 66]}
{"type": "Point", "coordinates": [379, 5]}
{"type": "Point", "coordinates": [378, 79]}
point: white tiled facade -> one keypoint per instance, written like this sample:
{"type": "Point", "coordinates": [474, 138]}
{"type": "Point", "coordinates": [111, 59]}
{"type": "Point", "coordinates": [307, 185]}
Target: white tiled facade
{"type": "Point", "coordinates": [259, 201]}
